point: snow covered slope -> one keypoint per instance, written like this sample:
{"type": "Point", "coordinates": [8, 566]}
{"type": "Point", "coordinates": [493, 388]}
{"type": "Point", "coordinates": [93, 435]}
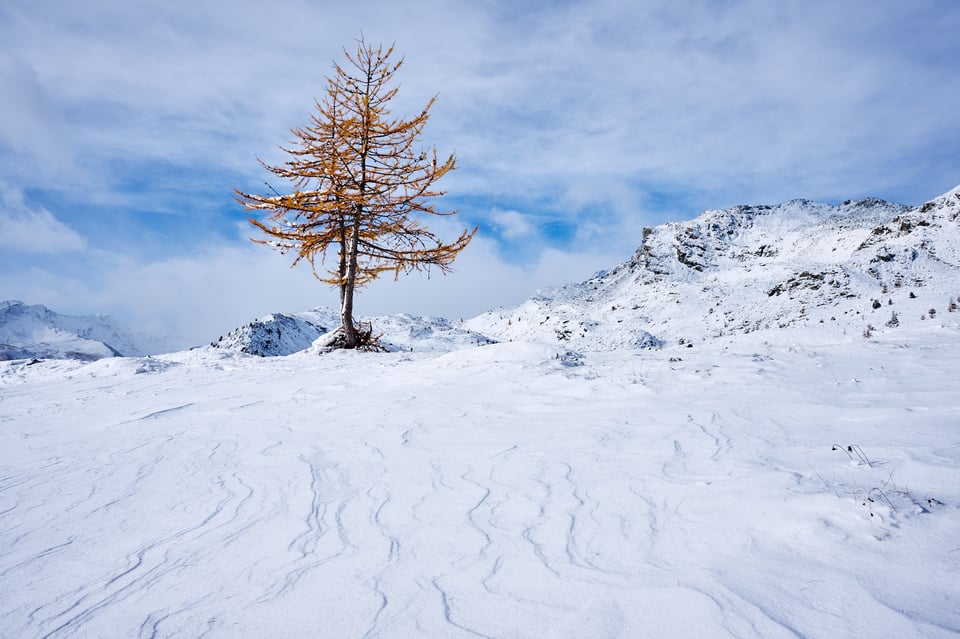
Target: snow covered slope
{"type": "Point", "coordinates": [840, 268]}
{"type": "Point", "coordinates": [738, 489]}
{"type": "Point", "coordinates": [425, 334]}
{"type": "Point", "coordinates": [280, 334]}
{"type": "Point", "coordinates": [36, 331]}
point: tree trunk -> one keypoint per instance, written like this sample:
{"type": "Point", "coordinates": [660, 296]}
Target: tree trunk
{"type": "Point", "coordinates": [346, 307]}
{"type": "Point", "coordinates": [342, 267]}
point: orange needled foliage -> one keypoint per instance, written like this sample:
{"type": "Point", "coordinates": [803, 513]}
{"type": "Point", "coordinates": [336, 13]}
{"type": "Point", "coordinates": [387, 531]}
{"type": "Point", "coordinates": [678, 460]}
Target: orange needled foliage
{"type": "Point", "coordinates": [359, 185]}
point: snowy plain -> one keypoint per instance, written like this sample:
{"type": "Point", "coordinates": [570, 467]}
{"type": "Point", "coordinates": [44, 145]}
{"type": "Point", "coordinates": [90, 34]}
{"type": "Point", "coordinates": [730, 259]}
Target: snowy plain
{"type": "Point", "coordinates": [507, 490]}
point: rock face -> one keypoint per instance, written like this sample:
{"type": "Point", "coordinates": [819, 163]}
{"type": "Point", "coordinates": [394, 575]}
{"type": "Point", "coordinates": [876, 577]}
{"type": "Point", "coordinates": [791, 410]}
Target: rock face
{"type": "Point", "coordinates": [35, 331]}
{"type": "Point", "coordinates": [278, 334]}
{"type": "Point", "coordinates": [754, 268]}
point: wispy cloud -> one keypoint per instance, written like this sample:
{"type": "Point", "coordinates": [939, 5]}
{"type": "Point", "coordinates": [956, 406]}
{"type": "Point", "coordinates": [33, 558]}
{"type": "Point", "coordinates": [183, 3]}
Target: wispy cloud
{"type": "Point", "coordinates": [512, 225]}
{"type": "Point", "coordinates": [200, 296]}
{"type": "Point", "coordinates": [25, 229]}
{"type": "Point", "coordinates": [551, 105]}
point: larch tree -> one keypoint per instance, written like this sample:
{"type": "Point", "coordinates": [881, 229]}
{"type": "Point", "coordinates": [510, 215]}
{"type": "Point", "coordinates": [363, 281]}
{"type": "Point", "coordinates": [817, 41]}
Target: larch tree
{"type": "Point", "coordinates": [358, 184]}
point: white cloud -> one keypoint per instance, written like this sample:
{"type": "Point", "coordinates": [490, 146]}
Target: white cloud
{"type": "Point", "coordinates": [200, 297]}
{"type": "Point", "coordinates": [194, 298]}
{"type": "Point", "coordinates": [481, 281]}
{"type": "Point", "coordinates": [33, 230]}
{"type": "Point", "coordinates": [751, 98]}
{"type": "Point", "coordinates": [513, 225]}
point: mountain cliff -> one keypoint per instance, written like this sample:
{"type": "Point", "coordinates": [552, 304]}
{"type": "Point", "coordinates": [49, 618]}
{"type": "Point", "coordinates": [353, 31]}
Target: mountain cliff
{"type": "Point", "coordinates": [858, 266]}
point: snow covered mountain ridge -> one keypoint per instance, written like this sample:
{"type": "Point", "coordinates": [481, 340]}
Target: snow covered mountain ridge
{"type": "Point", "coordinates": [857, 267]}
{"type": "Point", "coordinates": [282, 334]}
{"type": "Point", "coordinates": [35, 331]}
{"type": "Point", "coordinates": [853, 268]}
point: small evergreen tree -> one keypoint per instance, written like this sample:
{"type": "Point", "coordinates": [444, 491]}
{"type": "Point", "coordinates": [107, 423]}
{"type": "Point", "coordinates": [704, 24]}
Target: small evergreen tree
{"type": "Point", "coordinates": [358, 184]}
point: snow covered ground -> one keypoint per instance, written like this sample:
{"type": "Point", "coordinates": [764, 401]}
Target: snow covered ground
{"type": "Point", "coordinates": [509, 490]}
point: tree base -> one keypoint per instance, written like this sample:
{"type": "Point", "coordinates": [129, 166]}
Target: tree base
{"type": "Point", "coordinates": [366, 340]}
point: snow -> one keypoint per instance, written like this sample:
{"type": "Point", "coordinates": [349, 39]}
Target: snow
{"type": "Point", "coordinates": [277, 334]}
{"type": "Point", "coordinates": [425, 334]}
{"type": "Point", "coordinates": [621, 463]}
{"type": "Point", "coordinates": [35, 331]}
{"type": "Point", "coordinates": [493, 491]}
{"type": "Point", "coordinates": [280, 334]}
{"type": "Point", "coordinates": [756, 269]}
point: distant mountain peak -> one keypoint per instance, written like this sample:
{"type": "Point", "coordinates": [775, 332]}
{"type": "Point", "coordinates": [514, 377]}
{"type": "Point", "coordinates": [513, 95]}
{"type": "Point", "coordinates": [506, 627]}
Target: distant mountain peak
{"type": "Point", "coordinates": [35, 331]}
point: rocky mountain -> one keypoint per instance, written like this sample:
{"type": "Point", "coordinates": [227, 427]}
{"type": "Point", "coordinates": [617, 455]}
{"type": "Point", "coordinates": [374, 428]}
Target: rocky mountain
{"type": "Point", "coordinates": [281, 334]}
{"type": "Point", "coordinates": [859, 266]}
{"type": "Point", "coordinates": [35, 331]}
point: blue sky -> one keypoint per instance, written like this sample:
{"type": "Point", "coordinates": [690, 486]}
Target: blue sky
{"type": "Point", "coordinates": [126, 124]}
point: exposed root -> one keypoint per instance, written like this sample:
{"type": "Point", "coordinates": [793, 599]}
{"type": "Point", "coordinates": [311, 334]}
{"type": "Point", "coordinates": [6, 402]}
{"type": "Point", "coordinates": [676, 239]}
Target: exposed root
{"type": "Point", "coordinates": [366, 340]}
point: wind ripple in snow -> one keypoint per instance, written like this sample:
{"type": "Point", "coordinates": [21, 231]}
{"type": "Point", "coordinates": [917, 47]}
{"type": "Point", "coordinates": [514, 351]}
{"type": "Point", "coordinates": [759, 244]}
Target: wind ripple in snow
{"type": "Point", "coordinates": [488, 493]}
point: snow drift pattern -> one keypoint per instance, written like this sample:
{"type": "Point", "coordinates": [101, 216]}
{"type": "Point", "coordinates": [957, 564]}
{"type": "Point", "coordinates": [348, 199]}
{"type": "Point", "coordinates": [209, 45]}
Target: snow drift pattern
{"type": "Point", "coordinates": [498, 492]}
